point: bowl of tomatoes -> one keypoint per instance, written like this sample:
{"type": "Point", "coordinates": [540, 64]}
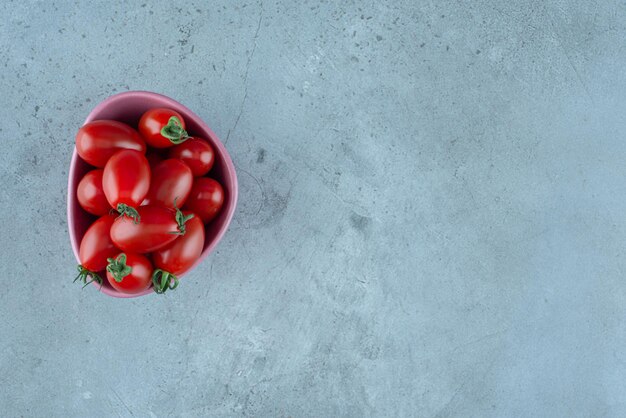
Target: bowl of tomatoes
{"type": "Point", "coordinates": [151, 192]}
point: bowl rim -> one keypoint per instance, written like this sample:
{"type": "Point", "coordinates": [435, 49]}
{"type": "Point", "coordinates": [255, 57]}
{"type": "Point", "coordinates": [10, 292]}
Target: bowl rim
{"type": "Point", "coordinates": [232, 185]}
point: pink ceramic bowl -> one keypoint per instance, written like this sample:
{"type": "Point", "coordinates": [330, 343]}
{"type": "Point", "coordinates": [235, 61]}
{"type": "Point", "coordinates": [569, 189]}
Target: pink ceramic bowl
{"type": "Point", "coordinates": [128, 107]}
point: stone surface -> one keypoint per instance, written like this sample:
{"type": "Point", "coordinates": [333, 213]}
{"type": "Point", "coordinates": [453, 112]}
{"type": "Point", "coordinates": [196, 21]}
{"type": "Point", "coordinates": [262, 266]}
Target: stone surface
{"type": "Point", "coordinates": [431, 217]}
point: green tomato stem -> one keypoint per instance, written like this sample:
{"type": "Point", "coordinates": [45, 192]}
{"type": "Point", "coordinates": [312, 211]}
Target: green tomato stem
{"type": "Point", "coordinates": [174, 131]}
{"type": "Point", "coordinates": [163, 280]}
{"type": "Point", "coordinates": [118, 267]}
{"type": "Point", "coordinates": [84, 274]}
{"type": "Point", "coordinates": [124, 209]}
{"type": "Point", "coordinates": [181, 220]}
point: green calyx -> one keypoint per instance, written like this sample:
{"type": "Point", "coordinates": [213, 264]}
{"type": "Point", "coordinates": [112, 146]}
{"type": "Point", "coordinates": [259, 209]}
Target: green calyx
{"type": "Point", "coordinates": [124, 209]}
{"type": "Point", "coordinates": [84, 274]}
{"type": "Point", "coordinates": [181, 220]}
{"type": "Point", "coordinates": [118, 267]}
{"type": "Point", "coordinates": [174, 131]}
{"type": "Point", "coordinates": [162, 281]}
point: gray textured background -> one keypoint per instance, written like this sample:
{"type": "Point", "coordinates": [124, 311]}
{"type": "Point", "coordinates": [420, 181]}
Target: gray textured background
{"type": "Point", "coordinates": [431, 217]}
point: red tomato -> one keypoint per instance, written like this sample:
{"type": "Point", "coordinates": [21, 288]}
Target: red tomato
{"type": "Point", "coordinates": [162, 128]}
{"type": "Point", "coordinates": [159, 226]}
{"type": "Point", "coordinates": [180, 255]}
{"type": "Point", "coordinates": [90, 194]}
{"type": "Point", "coordinates": [95, 248]}
{"type": "Point", "coordinates": [125, 181]}
{"type": "Point", "coordinates": [170, 184]}
{"type": "Point", "coordinates": [206, 198]}
{"type": "Point", "coordinates": [129, 272]}
{"type": "Point", "coordinates": [196, 153]}
{"type": "Point", "coordinates": [97, 141]}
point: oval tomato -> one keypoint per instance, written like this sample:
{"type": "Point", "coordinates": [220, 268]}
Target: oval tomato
{"type": "Point", "coordinates": [159, 226]}
{"type": "Point", "coordinates": [126, 181]}
{"type": "Point", "coordinates": [181, 254]}
{"type": "Point", "coordinates": [95, 248]}
{"type": "Point", "coordinates": [196, 153]}
{"type": "Point", "coordinates": [162, 128]}
{"type": "Point", "coordinates": [170, 184]}
{"type": "Point", "coordinates": [97, 141]}
{"type": "Point", "coordinates": [206, 198]}
{"type": "Point", "coordinates": [90, 194]}
{"type": "Point", "coordinates": [129, 272]}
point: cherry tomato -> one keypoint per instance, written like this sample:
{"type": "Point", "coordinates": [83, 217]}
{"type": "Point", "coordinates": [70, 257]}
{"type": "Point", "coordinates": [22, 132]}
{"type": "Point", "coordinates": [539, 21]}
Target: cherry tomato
{"type": "Point", "coordinates": [129, 272]}
{"type": "Point", "coordinates": [206, 198]}
{"type": "Point", "coordinates": [159, 226]}
{"type": "Point", "coordinates": [90, 194]}
{"type": "Point", "coordinates": [181, 254]}
{"type": "Point", "coordinates": [196, 153]}
{"type": "Point", "coordinates": [170, 184]}
{"type": "Point", "coordinates": [162, 128]}
{"type": "Point", "coordinates": [97, 141]}
{"type": "Point", "coordinates": [126, 181]}
{"type": "Point", "coordinates": [95, 248]}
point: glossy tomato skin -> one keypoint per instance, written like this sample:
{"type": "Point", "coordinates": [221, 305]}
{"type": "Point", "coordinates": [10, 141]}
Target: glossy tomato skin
{"type": "Point", "coordinates": [126, 178]}
{"type": "Point", "coordinates": [196, 153]}
{"type": "Point", "coordinates": [206, 198]}
{"type": "Point", "coordinates": [140, 277]}
{"type": "Point", "coordinates": [90, 194]}
{"type": "Point", "coordinates": [97, 141]}
{"type": "Point", "coordinates": [97, 246]}
{"type": "Point", "coordinates": [170, 184]}
{"type": "Point", "coordinates": [180, 255]}
{"type": "Point", "coordinates": [153, 121]}
{"type": "Point", "coordinates": [157, 229]}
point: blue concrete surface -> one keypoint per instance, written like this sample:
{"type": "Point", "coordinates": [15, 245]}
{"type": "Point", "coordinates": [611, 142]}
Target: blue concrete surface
{"type": "Point", "coordinates": [431, 218]}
